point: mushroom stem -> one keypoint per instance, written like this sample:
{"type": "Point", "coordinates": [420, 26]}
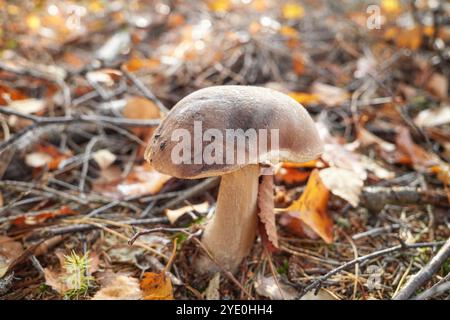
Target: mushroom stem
{"type": "Point", "coordinates": [230, 234]}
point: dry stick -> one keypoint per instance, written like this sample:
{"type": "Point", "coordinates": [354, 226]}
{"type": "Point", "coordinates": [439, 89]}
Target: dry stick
{"type": "Point", "coordinates": [47, 121]}
{"type": "Point", "coordinates": [145, 91]}
{"type": "Point", "coordinates": [425, 273]}
{"type": "Point", "coordinates": [188, 193]}
{"type": "Point", "coordinates": [318, 282]}
{"type": "Point", "coordinates": [377, 197]}
{"type": "Point", "coordinates": [50, 232]}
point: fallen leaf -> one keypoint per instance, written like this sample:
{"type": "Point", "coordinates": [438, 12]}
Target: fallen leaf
{"type": "Point", "coordinates": [266, 211]}
{"type": "Point", "coordinates": [27, 106]}
{"type": "Point", "coordinates": [104, 158]}
{"type": "Point", "coordinates": [304, 98]}
{"type": "Point", "coordinates": [41, 217]}
{"type": "Point", "coordinates": [391, 6]}
{"type": "Point", "coordinates": [433, 117]}
{"type": "Point", "coordinates": [321, 295]}
{"type": "Point", "coordinates": [291, 175]}
{"type": "Point", "coordinates": [420, 158]}
{"type": "Point", "coordinates": [367, 138]}
{"type": "Point", "coordinates": [438, 85]}
{"type": "Point", "coordinates": [121, 287]}
{"type": "Point", "coordinates": [9, 251]}
{"type": "Point", "coordinates": [268, 287]}
{"type": "Point", "coordinates": [296, 226]}
{"type": "Point", "coordinates": [311, 207]}
{"type": "Point", "coordinates": [46, 155]}
{"type": "Point", "coordinates": [143, 180]}
{"type": "Point", "coordinates": [343, 183]}
{"type": "Point", "coordinates": [135, 64]}
{"type": "Point", "coordinates": [292, 11]}
{"type": "Point", "coordinates": [329, 95]}
{"type": "Point", "coordinates": [174, 215]}
{"type": "Point", "coordinates": [141, 108]}
{"type": "Point", "coordinates": [156, 286]}
{"type": "Point", "coordinates": [212, 291]}
{"type": "Point", "coordinates": [219, 5]}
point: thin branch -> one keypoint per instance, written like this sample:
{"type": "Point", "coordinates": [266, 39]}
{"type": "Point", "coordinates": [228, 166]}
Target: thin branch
{"type": "Point", "coordinates": [425, 273]}
{"type": "Point", "coordinates": [318, 282]}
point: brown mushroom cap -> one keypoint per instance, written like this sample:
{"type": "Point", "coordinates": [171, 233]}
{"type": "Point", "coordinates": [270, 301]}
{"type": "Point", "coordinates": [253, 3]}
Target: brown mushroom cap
{"type": "Point", "coordinates": [236, 107]}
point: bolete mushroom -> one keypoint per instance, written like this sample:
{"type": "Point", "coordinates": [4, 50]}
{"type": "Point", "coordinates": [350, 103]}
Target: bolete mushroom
{"type": "Point", "coordinates": [211, 132]}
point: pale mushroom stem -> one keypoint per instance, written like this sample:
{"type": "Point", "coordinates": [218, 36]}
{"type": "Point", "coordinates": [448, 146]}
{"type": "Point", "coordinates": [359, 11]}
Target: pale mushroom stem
{"type": "Point", "coordinates": [230, 234]}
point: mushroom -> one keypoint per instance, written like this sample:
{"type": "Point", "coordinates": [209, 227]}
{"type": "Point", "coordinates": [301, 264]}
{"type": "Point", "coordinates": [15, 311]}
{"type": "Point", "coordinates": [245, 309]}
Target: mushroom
{"type": "Point", "coordinates": [228, 113]}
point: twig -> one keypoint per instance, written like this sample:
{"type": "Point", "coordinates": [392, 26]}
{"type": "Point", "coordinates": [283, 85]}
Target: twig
{"type": "Point", "coordinates": [318, 282]}
{"type": "Point", "coordinates": [376, 197]}
{"type": "Point", "coordinates": [425, 273]}
{"type": "Point", "coordinates": [145, 91]}
{"type": "Point", "coordinates": [50, 232]}
{"type": "Point", "coordinates": [39, 121]}
{"type": "Point", "coordinates": [226, 272]}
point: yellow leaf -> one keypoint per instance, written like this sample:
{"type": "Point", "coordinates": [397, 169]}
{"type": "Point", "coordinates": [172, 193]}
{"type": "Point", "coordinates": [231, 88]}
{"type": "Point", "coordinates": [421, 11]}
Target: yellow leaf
{"type": "Point", "coordinates": [304, 98]}
{"type": "Point", "coordinates": [311, 207]}
{"type": "Point", "coordinates": [219, 5]}
{"type": "Point", "coordinates": [157, 286]}
{"type": "Point", "coordinates": [293, 11]}
{"type": "Point", "coordinates": [33, 22]}
{"type": "Point", "coordinates": [391, 6]}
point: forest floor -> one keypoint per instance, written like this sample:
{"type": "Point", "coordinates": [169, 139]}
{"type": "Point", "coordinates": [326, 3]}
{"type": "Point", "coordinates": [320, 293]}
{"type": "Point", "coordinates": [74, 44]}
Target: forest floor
{"type": "Point", "coordinates": [83, 84]}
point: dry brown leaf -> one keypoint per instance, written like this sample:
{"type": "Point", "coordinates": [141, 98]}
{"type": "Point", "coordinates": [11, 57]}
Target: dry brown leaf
{"type": "Point", "coordinates": [266, 212]}
{"type": "Point", "coordinates": [311, 207]}
{"type": "Point", "coordinates": [296, 226]}
{"type": "Point", "coordinates": [271, 288]}
{"type": "Point", "coordinates": [141, 108]}
{"type": "Point", "coordinates": [291, 175]}
{"type": "Point", "coordinates": [174, 215]}
{"type": "Point", "coordinates": [212, 291]}
{"type": "Point", "coordinates": [27, 106]}
{"type": "Point", "coordinates": [143, 180]}
{"type": "Point", "coordinates": [438, 85]}
{"type": "Point", "coordinates": [156, 286]}
{"type": "Point", "coordinates": [367, 138]}
{"type": "Point", "coordinates": [304, 97]}
{"type": "Point", "coordinates": [9, 251]}
{"type": "Point", "coordinates": [41, 217]}
{"type": "Point", "coordinates": [343, 183]}
{"type": "Point", "coordinates": [421, 159]}
{"type": "Point", "coordinates": [104, 158]}
{"type": "Point", "coordinates": [46, 155]}
{"type": "Point", "coordinates": [433, 117]}
{"type": "Point", "coordinates": [121, 287]}
{"type": "Point", "coordinates": [321, 295]}
{"type": "Point", "coordinates": [329, 95]}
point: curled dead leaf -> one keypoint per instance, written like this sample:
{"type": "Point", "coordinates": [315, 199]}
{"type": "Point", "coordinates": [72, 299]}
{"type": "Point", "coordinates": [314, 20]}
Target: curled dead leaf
{"type": "Point", "coordinates": [156, 286]}
{"type": "Point", "coordinates": [311, 207]}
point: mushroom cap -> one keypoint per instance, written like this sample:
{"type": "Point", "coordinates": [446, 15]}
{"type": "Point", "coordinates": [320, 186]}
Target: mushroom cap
{"type": "Point", "coordinates": [235, 107]}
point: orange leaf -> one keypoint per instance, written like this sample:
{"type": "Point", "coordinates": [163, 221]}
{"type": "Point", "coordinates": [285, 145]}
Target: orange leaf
{"type": "Point", "coordinates": [41, 217]}
{"type": "Point", "coordinates": [312, 207]}
{"type": "Point", "coordinates": [156, 286]}
{"type": "Point", "coordinates": [292, 11]}
{"type": "Point", "coordinates": [291, 175]}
